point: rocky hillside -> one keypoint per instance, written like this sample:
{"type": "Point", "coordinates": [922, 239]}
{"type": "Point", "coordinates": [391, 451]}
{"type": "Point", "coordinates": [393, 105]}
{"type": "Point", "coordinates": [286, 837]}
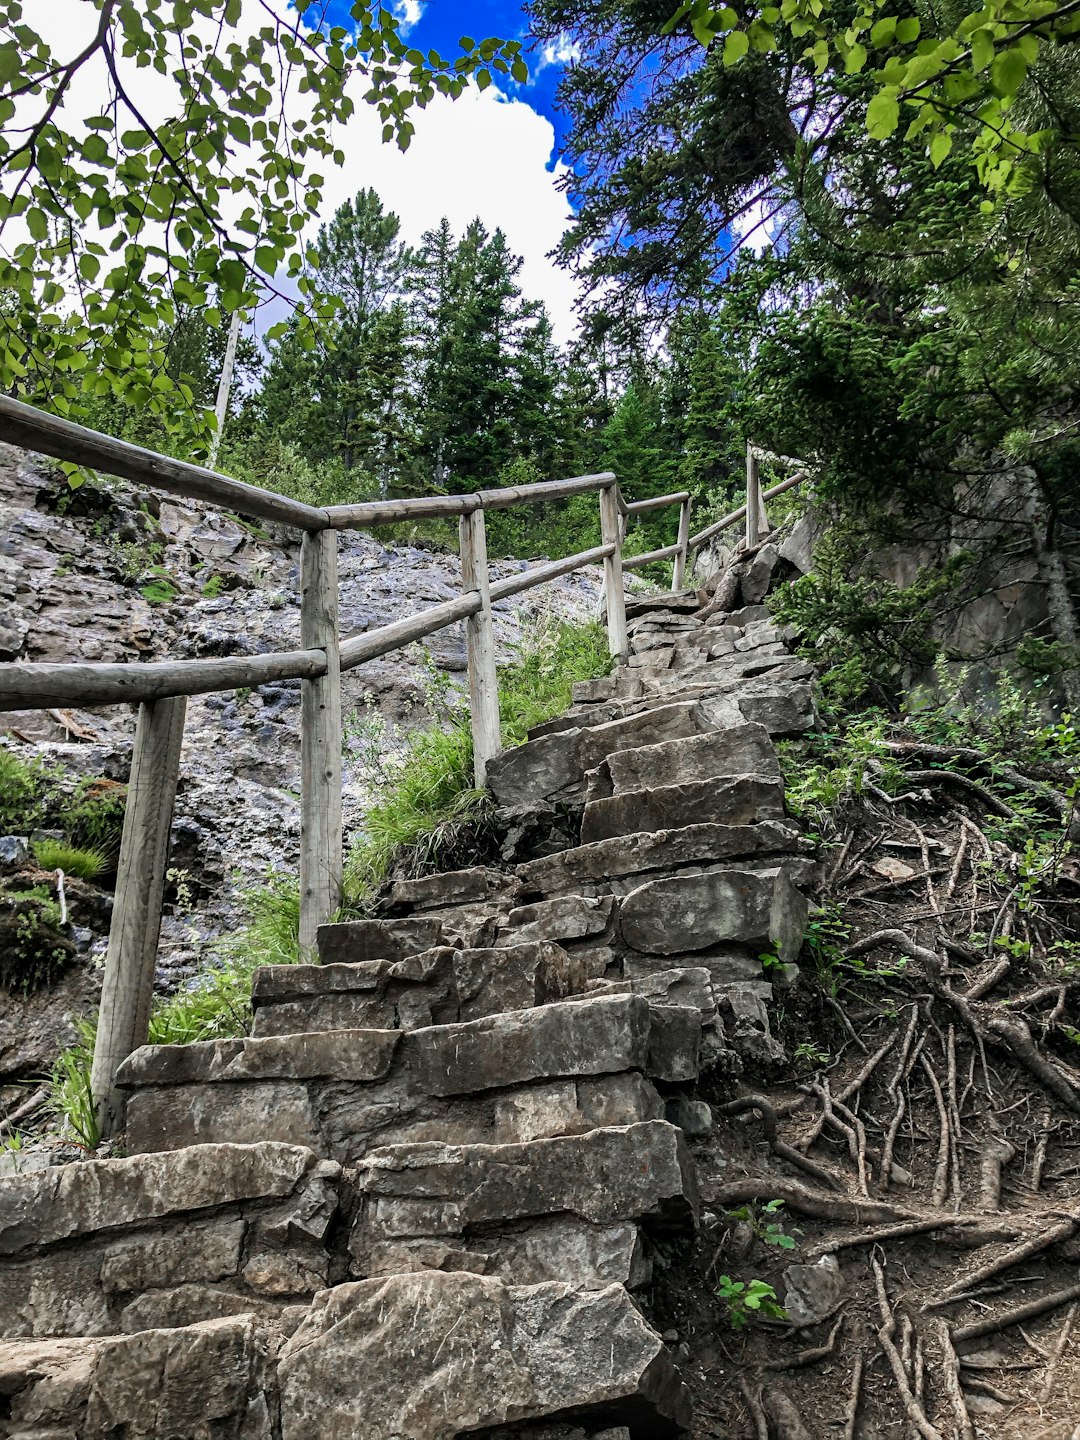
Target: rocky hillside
{"type": "Point", "coordinates": [113, 573]}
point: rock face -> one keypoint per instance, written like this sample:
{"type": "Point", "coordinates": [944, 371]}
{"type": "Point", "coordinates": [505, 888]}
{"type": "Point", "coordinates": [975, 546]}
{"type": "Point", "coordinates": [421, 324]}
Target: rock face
{"type": "Point", "coordinates": [427, 1197]}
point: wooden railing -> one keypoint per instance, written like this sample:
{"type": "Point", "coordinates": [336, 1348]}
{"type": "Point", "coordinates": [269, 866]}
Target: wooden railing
{"type": "Point", "coordinates": [160, 688]}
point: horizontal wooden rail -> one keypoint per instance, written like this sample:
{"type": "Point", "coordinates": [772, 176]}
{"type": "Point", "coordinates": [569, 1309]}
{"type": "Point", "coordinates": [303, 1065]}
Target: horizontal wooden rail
{"type": "Point", "coordinates": [426, 507]}
{"type": "Point", "coordinates": [35, 429]}
{"type": "Point", "coordinates": [29, 686]}
{"type": "Point", "coordinates": [696, 541]}
{"type": "Point", "coordinates": [374, 643]}
{"type": "Point", "coordinates": [637, 507]}
{"type": "Point", "coordinates": [635, 562]}
{"type": "Point", "coordinates": [515, 584]}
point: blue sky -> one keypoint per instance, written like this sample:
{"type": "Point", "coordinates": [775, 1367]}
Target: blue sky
{"type": "Point", "coordinates": [443, 22]}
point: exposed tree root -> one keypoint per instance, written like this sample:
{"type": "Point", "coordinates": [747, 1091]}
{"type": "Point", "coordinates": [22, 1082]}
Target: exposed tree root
{"type": "Point", "coordinates": [779, 1147]}
{"type": "Point", "coordinates": [1031, 1311]}
{"type": "Point", "coordinates": [912, 1407]}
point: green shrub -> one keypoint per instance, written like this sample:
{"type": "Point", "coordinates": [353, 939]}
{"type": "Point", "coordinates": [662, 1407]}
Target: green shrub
{"type": "Point", "coordinates": [33, 949]}
{"type": "Point", "coordinates": [71, 1099]}
{"type": "Point", "coordinates": [24, 785]}
{"type": "Point", "coordinates": [94, 819]}
{"type": "Point", "coordinates": [85, 864]}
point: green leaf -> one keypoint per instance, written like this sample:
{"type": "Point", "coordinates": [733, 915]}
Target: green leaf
{"type": "Point", "coordinates": [1008, 72]}
{"type": "Point", "coordinates": [520, 71]}
{"type": "Point", "coordinates": [10, 63]}
{"type": "Point", "coordinates": [882, 115]}
{"type": "Point", "coordinates": [883, 32]}
{"type": "Point", "coordinates": [855, 59]}
{"type": "Point", "coordinates": [266, 259]}
{"type": "Point", "coordinates": [907, 31]}
{"type": "Point", "coordinates": [735, 47]}
{"type": "Point", "coordinates": [483, 79]}
{"type": "Point", "coordinates": [982, 48]}
{"type": "Point", "coordinates": [89, 265]}
{"type": "Point", "coordinates": [37, 224]}
{"type": "Point", "coordinates": [940, 146]}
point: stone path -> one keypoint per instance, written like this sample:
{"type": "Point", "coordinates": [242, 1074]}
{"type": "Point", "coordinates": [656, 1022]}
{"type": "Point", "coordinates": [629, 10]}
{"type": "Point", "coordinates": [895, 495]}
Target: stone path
{"type": "Point", "coordinates": [421, 1200]}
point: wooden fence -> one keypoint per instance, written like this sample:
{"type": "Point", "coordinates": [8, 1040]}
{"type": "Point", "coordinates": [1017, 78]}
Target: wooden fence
{"type": "Point", "coordinates": [160, 688]}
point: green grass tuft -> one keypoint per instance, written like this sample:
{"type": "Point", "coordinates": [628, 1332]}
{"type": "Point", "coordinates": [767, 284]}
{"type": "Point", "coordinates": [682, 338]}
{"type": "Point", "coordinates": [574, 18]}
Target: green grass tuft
{"type": "Point", "coordinates": [84, 863]}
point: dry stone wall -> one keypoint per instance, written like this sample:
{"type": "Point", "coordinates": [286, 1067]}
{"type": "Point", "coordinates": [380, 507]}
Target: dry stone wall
{"type": "Point", "coordinates": [425, 1198]}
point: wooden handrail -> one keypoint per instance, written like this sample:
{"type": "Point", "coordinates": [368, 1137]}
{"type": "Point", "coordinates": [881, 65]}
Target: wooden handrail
{"type": "Point", "coordinates": [540, 574]}
{"type": "Point", "coordinates": [374, 643]}
{"type": "Point", "coordinates": [35, 429]}
{"type": "Point", "coordinates": [696, 541]}
{"type": "Point", "coordinates": [40, 686]}
{"type": "Point", "coordinates": [635, 562]}
{"type": "Point", "coordinates": [427, 507]}
{"type": "Point", "coordinates": [637, 507]}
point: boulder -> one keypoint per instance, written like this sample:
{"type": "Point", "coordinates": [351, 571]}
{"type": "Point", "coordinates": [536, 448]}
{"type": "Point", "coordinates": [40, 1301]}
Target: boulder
{"type": "Point", "coordinates": [687, 913]}
{"type": "Point", "coordinates": [487, 1353]}
{"type": "Point", "coordinates": [758, 575]}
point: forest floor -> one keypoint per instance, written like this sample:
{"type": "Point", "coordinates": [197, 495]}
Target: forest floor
{"type": "Point", "coordinates": [924, 1137]}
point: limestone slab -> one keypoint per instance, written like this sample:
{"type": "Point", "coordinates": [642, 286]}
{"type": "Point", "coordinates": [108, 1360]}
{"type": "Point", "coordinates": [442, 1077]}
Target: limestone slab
{"type": "Point", "coordinates": [356, 940]}
{"type": "Point", "coordinates": [643, 851]}
{"type": "Point", "coordinates": [452, 887]}
{"type": "Point", "coordinates": [689, 913]}
{"type": "Point", "coordinates": [364, 1055]}
{"type": "Point", "coordinates": [742, 800]}
{"type": "Point", "coordinates": [740, 750]}
{"type": "Point", "coordinates": [487, 1353]}
{"type": "Point", "coordinates": [72, 1200]}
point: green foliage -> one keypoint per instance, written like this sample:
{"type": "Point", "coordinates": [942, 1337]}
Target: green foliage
{"type": "Point", "coordinates": [160, 590]}
{"type": "Point", "coordinates": [94, 817]}
{"type": "Point", "coordinates": [70, 1099]}
{"type": "Point", "coordinates": [767, 1224]}
{"type": "Point", "coordinates": [85, 864]}
{"type": "Point", "coordinates": [747, 1300]}
{"type": "Point", "coordinates": [201, 208]}
{"type": "Point", "coordinates": [24, 785]}
{"type": "Point", "coordinates": [33, 949]}
{"type": "Point", "coordinates": [214, 587]}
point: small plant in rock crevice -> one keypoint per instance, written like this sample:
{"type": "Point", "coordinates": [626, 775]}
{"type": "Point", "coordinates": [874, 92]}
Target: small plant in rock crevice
{"type": "Point", "coordinates": [34, 951]}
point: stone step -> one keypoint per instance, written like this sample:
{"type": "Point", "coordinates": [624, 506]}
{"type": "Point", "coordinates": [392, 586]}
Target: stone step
{"type": "Point", "coordinates": [437, 987]}
{"type": "Point", "coordinates": [741, 800]}
{"type": "Point", "coordinates": [566, 1208]}
{"type": "Point", "coordinates": [101, 1247]}
{"type": "Point", "coordinates": [675, 602]}
{"type": "Point", "coordinates": [739, 750]}
{"type": "Point", "coordinates": [489, 1359]}
{"type": "Point", "coordinates": [638, 854]}
{"type": "Point", "coordinates": [557, 1069]}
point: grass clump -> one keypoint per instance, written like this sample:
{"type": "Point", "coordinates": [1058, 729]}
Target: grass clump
{"type": "Point", "coordinates": [428, 809]}
{"type": "Point", "coordinates": [84, 863]}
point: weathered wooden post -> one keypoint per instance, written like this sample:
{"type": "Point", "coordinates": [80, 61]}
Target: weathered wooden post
{"type": "Point", "coordinates": [480, 645]}
{"type": "Point", "coordinates": [678, 567]}
{"type": "Point", "coordinates": [320, 739]}
{"type": "Point", "coordinates": [128, 987]}
{"type": "Point", "coordinates": [753, 498]}
{"type": "Point", "coordinates": [614, 597]}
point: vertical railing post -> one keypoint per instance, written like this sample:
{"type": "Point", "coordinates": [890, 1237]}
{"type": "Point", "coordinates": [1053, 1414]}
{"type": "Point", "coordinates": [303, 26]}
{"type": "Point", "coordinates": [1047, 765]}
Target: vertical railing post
{"type": "Point", "coordinates": [320, 739]}
{"type": "Point", "coordinates": [753, 498]}
{"type": "Point", "coordinates": [480, 646]}
{"type": "Point", "coordinates": [678, 568]}
{"type": "Point", "coordinates": [128, 987]}
{"type": "Point", "coordinates": [614, 597]}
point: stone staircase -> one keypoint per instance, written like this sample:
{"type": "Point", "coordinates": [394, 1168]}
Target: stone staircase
{"type": "Point", "coordinates": [423, 1198]}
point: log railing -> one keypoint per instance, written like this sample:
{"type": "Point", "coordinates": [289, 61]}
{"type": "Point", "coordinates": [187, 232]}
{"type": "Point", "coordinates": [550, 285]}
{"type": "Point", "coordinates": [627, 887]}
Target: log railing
{"type": "Point", "coordinates": [160, 688]}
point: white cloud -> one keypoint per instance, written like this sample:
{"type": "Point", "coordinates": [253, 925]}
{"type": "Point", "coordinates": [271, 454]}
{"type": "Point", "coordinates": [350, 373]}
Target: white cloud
{"type": "Point", "coordinates": [408, 13]}
{"type": "Point", "coordinates": [483, 155]}
{"type": "Point", "coordinates": [562, 51]}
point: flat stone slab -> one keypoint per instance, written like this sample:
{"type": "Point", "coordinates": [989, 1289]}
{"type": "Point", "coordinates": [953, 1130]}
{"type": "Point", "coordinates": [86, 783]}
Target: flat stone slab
{"type": "Point", "coordinates": [602, 1178]}
{"type": "Point", "coordinates": [742, 800]}
{"type": "Point", "coordinates": [72, 1200]}
{"type": "Point", "coordinates": [688, 913]}
{"type": "Point", "coordinates": [352, 941]}
{"type": "Point", "coordinates": [464, 1083]}
{"type": "Point", "coordinates": [656, 850]}
{"type": "Point", "coordinates": [359, 1055]}
{"type": "Point", "coordinates": [440, 987]}
{"type": "Point", "coordinates": [486, 1353]}
{"type": "Point", "coordinates": [740, 750]}
{"type": "Point", "coordinates": [568, 917]}
{"type": "Point", "coordinates": [452, 887]}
